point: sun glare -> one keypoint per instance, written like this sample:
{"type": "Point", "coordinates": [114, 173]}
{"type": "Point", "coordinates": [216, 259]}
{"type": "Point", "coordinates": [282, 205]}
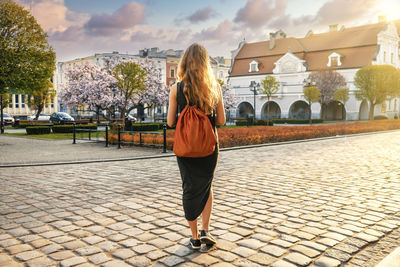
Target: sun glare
{"type": "Point", "coordinates": [389, 8]}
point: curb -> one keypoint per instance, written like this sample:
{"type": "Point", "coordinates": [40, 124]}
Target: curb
{"type": "Point", "coordinates": [170, 154]}
{"type": "Point", "coordinates": [391, 260]}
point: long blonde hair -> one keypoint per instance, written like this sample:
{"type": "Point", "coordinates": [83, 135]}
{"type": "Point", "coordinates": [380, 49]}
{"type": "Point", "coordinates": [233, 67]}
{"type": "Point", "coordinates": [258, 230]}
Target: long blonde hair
{"type": "Point", "coordinates": [195, 72]}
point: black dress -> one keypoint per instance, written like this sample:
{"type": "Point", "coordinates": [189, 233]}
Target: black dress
{"type": "Point", "coordinates": [197, 173]}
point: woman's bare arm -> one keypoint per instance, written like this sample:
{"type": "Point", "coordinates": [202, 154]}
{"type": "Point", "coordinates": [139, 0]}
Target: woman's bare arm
{"type": "Point", "coordinates": [172, 107]}
{"type": "Point", "coordinates": [220, 119]}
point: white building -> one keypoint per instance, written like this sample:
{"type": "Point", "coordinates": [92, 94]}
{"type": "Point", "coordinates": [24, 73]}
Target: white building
{"type": "Point", "coordinates": [291, 60]}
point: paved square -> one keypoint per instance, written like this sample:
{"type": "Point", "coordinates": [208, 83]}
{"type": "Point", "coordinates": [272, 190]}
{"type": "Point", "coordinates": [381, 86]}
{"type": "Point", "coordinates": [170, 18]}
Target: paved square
{"type": "Point", "coordinates": [320, 203]}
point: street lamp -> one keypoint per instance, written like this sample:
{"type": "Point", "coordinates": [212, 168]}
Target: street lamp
{"type": "Point", "coordinates": [1, 111]}
{"type": "Point", "coordinates": [254, 88]}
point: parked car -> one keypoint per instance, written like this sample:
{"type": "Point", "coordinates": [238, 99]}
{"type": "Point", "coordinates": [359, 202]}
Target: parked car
{"type": "Point", "coordinates": [60, 117]}
{"type": "Point", "coordinates": [7, 119]}
{"type": "Point", "coordinates": [42, 117]}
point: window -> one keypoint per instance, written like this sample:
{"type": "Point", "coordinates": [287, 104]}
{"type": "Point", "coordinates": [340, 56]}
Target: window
{"type": "Point", "coordinates": [253, 66]}
{"type": "Point", "coordinates": [10, 101]}
{"type": "Point", "coordinates": [52, 102]}
{"type": "Point", "coordinates": [16, 101]}
{"type": "Point", "coordinates": [172, 73]}
{"type": "Point", "coordinates": [334, 60]}
{"type": "Point", "coordinates": [22, 101]}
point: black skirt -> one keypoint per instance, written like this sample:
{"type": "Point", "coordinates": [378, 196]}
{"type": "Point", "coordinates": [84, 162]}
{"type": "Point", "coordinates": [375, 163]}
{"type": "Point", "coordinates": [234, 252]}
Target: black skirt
{"type": "Point", "coordinates": [197, 175]}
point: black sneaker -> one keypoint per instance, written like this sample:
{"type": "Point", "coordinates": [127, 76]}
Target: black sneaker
{"type": "Point", "coordinates": [195, 243]}
{"type": "Point", "coordinates": [206, 238]}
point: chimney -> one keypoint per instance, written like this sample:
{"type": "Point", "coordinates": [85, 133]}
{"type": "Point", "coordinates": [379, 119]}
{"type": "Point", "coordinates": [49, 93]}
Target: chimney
{"type": "Point", "coordinates": [333, 28]}
{"type": "Point", "coordinates": [271, 40]}
{"type": "Point", "coordinates": [382, 18]}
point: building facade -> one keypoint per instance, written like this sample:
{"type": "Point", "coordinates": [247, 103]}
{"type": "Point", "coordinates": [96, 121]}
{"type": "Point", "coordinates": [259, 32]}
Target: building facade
{"type": "Point", "coordinates": [291, 60]}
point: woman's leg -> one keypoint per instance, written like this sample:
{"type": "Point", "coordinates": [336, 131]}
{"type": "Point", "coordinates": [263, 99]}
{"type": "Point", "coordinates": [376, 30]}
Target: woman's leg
{"type": "Point", "coordinates": [206, 214]}
{"type": "Point", "coordinates": [193, 228]}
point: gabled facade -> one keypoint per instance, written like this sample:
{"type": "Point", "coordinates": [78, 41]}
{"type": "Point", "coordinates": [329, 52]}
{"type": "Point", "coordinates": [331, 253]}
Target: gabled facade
{"type": "Point", "coordinates": [291, 60]}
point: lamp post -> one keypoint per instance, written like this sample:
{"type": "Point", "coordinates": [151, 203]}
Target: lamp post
{"type": "Point", "coordinates": [254, 88]}
{"type": "Point", "coordinates": [1, 111]}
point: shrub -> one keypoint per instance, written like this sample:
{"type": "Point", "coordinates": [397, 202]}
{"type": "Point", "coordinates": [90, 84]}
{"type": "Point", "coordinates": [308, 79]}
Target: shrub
{"type": "Point", "coordinates": [38, 130]}
{"type": "Point", "coordinates": [381, 117]}
{"type": "Point", "coordinates": [26, 123]}
{"type": "Point", "coordinates": [257, 122]}
{"type": "Point", "coordinates": [70, 128]}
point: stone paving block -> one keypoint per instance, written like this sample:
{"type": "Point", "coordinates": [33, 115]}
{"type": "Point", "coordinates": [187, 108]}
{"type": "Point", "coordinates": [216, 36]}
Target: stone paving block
{"type": "Point", "coordinates": [366, 237]}
{"type": "Point", "coordinates": [241, 231]}
{"type": "Point", "coordinates": [145, 237]}
{"type": "Point", "coordinates": [230, 237]}
{"type": "Point", "coordinates": [51, 234]}
{"type": "Point", "coordinates": [205, 259]}
{"type": "Point", "coordinates": [172, 260]}
{"type": "Point", "coordinates": [40, 262]}
{"type": "Point", "coordinates": [28, 255]}
{"type": "Point", "coordinates": [342, 231]}
{"type": "Point", "coordinates": [313, 245]}
{"type": "Point", "coordinates": [225, 245]}
{"type": "Point", "coordinates": [338, 254]}
{"type": "Point", "coordinates": [282, 263]}
{"type": "Point", "coordinates": [172, 236]}
{"type": "Point", "coordinates": [273, 250]}
{"type": "Point", "coordinates": [91, 240]}
{"type": "Point", "coordinates": [309, 252]}
{"type": "Point", "coordinates": [29, 238]}
{"type": "Point", "coordinates": [179, 250]}
{"type": "Point", "coordinates": [62, 255]}
{"type": "Point", "coordinates": [281, 243]}
{"type": "Point", "coordinates": [5, 236]}
{"type": "Point", "coordinates": [335, 236]}
{"type": "Point", "coordinates": [115, 263]}
{"type": "Point", "coordinates": [245, 263]}
{"type": "Point", "coordinates": [251, 243]}
{"type": "Point", "coordinates": [374, 233]}
{"type": "Point", "coordinates": [327, 262]}
{"type": "Point", "coordinates": [73, 245]}
{"type": "Point", "coordinates": [19, 232]}
{"type": "Point", "coordinates": [346, 248]}
{"type": "Point", "coordinates": [145, 248]}
{"type": "Point", "coordinates": [262, 259]}
{"type": "Point", "coordinates": [221, 264]}
{"type": "Point", "coordinates": [72, 261]}
{"type": "Point", "coordinates": [224, 255]}
{"type": "Point", "coordinates": [139, 261]}
{"type": "Point", "coordinates": [108, 246]}
{"type": "Point", "coordinates": [8, 243]}
{"type": "Point", "coordinates": [298, 259]}
{"type": "Point", "coordinates": [304, 235]}
{"type": "Point", "coordinates": [243, 252]}
{"type": "Point", "coordinates": [99, 258]}
{"type": "Point", "coordinates": [87, 251]}
{"type": "Point", "coordinates": [118, 226]}
{"type": "Point", "coordinates": [123, 253]}
{"type": "Point", "coordinates": [156, 255]}
{"type": "Point", "coordinates": [62, 239]}
{"type": "Point", "coordinates": [18, 248]}
{"type": "Point", "coordinates": [79, 233]}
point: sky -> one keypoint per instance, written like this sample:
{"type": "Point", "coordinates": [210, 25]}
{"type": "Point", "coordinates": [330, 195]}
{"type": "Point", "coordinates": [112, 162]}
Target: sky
{"type": "Point", "coordinates": [79, 28]}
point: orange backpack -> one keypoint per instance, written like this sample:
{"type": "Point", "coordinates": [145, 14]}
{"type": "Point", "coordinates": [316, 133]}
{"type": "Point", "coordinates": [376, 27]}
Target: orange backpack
{"type": "Point", "coordinates": [194, 134]}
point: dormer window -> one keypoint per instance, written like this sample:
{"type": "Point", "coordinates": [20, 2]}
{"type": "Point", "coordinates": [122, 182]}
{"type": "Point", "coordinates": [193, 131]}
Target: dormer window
{"type": "Point", "coordinates": [334, 60]}
{"type": "Point", "coordinates": [253, 66]}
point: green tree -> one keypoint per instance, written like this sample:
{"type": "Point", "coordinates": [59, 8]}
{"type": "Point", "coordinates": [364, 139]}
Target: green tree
{"type": "Point", "coordinates": [311, 95]}
{"type": "Point", "coordinates": [27, 60]}
{"type": "Point", "coordinates": [131, 81]}
{"type": "Point", "coordinates": [375, 84]}
{"type": "Point", "coordinates": [41, 98]}
{"type": "Point", "coordinates": [269, 87]}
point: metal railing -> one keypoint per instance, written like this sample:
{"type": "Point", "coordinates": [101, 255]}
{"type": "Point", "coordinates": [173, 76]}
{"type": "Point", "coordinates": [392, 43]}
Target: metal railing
{"type": "Point", "coordinates": [119, 132]}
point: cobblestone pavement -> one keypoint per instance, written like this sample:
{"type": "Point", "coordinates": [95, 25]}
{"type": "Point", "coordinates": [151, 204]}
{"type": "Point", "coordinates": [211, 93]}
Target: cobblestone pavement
{"type": "Point", "coordinates": [19, 150]}
{"type": "Point", "coordinates": [324, 203]}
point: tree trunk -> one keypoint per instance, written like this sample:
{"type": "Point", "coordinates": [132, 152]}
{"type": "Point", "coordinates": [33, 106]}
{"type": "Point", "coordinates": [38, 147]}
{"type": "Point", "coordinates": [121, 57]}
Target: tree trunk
{"type": "Point", "coordinates": [268, 112]}
{"type": "Point", "coordinates": [371, 111]}
{"type": "Point", "coordinates": [309, 115]}
{"type": "Point", "coordinates": [323, 111]}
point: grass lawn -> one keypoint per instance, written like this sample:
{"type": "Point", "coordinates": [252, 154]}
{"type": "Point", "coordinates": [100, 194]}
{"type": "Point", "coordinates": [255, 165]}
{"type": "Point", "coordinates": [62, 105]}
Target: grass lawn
{"type": "Point", "coordinates": [56, 136]}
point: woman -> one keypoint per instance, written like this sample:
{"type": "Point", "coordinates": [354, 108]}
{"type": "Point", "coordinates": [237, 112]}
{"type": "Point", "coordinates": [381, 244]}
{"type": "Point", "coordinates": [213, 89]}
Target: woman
{"type": "Point", "coordinates": [197, 84]}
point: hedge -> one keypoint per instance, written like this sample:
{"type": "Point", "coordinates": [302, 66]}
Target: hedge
{"type": "Point", "coordinates": [70, 128]}
{"type": "Point", "coordinates": [296, 121]}
{"type": "Point", "coordinates": [38, 130]}
{"type": "Point", "coordinates": [257, 122]}
{"type": "Point", "coordinates": [27, 123]}
{"type": "Point", "coordinates": [231, 137]}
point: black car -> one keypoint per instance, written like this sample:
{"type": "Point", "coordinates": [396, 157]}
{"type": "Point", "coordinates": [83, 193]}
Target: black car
{"type": "Point", "coordinates": [60, 118]}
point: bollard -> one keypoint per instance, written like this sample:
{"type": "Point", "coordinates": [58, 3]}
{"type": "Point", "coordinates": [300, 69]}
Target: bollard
{"type": "Point", "coordinates": [106, 135]}
{"type": "Point", "coordinates": [74, 134]}
{"type": "Point", "coordinates": [140, 138]}
{"type": "Point", "coordinates": [119, 136]}
{"type": "Point", "coordinates": [165, 138]}
{"type": "Point", "coordinates": [90, 134]}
